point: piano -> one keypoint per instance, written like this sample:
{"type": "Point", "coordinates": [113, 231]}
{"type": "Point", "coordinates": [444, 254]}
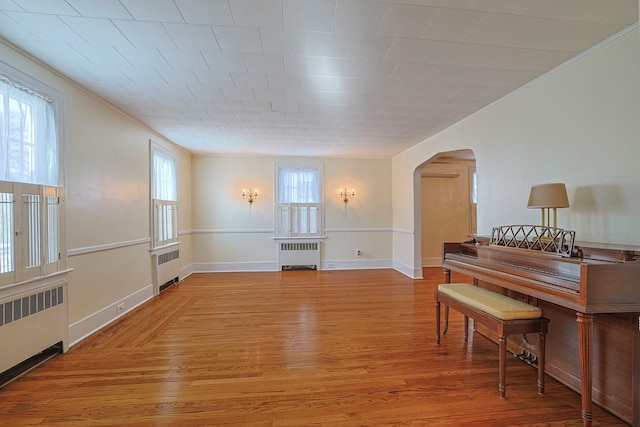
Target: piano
{"type": "Point", "coordinates": [590, 292]}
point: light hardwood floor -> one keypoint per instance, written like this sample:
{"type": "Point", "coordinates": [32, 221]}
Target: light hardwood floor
{"type": "Point", "coordinates": [298, 348]}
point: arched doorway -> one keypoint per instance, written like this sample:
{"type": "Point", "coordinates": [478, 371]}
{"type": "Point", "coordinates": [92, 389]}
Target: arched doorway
{"type": "Point", "coordinates": [447, 205]}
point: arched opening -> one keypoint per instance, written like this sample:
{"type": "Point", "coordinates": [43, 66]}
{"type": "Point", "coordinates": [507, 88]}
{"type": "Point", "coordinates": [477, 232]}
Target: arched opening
{"type": "Point", "coordinates": [445, 203]}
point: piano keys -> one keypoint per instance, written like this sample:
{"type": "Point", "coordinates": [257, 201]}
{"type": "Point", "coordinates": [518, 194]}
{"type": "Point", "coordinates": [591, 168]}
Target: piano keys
{"type": "Point", "coordinates": [593, 300]}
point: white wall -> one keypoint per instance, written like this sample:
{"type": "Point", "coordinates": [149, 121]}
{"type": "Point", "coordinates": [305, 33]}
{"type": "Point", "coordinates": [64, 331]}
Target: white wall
{"type": "Point", "coordinates": [108, 207]}
{"type": "Point", "coordinates": [578, 125]}
{"type": "Point", "coordinates": [229, 234]}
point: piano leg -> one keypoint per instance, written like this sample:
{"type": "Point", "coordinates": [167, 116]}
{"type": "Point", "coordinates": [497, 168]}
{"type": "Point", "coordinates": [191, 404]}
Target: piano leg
{"type": "Point", "coordinates": [585, 348]}
{"type": "Point", "coordinates": [437, 321]}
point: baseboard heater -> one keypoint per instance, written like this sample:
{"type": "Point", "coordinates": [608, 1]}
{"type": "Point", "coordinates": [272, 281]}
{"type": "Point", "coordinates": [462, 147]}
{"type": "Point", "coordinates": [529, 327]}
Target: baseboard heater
{"type": "Point", "coordinates": [33, 327]}
{"type": "Point", "coordinates": [166, 270]}
{"type": "Point", "coordinates": [298, 255]}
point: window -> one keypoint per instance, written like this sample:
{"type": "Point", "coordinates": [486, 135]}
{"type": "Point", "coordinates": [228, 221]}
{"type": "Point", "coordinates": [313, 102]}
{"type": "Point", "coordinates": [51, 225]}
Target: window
{"type": "Point", "coordinates": [299, 206]}
{"type": "Point", "coordinates": [164, 197]}
{"type": "Point", "coordinates": [31, 209]}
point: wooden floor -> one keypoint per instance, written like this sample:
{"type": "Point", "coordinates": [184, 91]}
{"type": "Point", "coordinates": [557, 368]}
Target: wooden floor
{"type": "Point", "coordinates": [299, 348]}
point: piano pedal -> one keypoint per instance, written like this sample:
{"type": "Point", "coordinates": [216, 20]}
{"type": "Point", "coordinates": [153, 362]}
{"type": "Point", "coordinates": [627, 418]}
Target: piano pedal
{"type": "Point", "coordinates": [527, 357]}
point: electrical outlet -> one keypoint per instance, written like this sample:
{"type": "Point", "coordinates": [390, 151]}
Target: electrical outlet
{"type": "Point", "coordinates": [358, 253]}
{"type": "Point", "coordinates": [330, 265]}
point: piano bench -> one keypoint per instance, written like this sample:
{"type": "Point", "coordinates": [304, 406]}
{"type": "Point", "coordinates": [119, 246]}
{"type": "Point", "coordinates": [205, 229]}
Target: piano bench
{"type": "Point", "coordinates": [503, 315]}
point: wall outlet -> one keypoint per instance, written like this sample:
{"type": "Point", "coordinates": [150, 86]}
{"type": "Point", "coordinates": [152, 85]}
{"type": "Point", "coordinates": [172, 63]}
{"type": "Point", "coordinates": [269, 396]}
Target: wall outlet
{"type": "Point", "coordinates": [330, 265]}
{"type": "Point", "coordinates": [358, 253]}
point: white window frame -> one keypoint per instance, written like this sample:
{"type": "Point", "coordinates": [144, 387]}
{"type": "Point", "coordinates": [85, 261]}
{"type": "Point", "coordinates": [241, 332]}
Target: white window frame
{"type": "Point", "coordinates": [299, 220]}
{"type": "Point", "coordinates": [38, 229]}
{"type": "Point", "coordinates": [164, 213]}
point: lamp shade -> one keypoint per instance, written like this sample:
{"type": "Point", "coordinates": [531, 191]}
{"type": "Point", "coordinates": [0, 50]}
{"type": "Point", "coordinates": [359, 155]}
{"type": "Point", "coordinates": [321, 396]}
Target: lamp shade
{"type": "Point", "coordinates": [548, 196]}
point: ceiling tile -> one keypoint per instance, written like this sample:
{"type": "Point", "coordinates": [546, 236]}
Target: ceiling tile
{"type": "Point", "coordinates": [97, 31]}
{"type": "Point", "coordinates": [49, 7]}
{"type": "Point", "coordinates": [259, 63]}
{"type": "Point", "coordinates": [408, 49]}
{"type": "Point", "coordinates": [101, 55]}
{"type": "Point", "coordinates": [192, 36]}
{"type": "Point", "coordinates": [238, 39]}
{"type": "Point", "coordinates": [153, 10]}
{"type": "Point", "coordinates": [309, 15]}
{"type": "Point", "coordinates": [144, 58]}
{"type": "Point", "coordinates": [47, 27]}
{"type": "Point", "coordinates": [250, 80]}
{"type": "Point", "coordinates": [368, 46]}
{"type": "Point", "coordinates": [497, 6]}
{"type": "Point", "coordinates": [257, 13]}
{"type": "Point", "coordinates": [211, 12]}
{"type": "Point", "coordinates": [184, 59]}
{"type": "Point", "coordinates": [326, 44]}
{"type": "Point", "coordinates": [406, 20]}
{"type": "Point", "coordinates": [283, 42]}
{"type": "Point", "coordinates": [358, 16]}
{"type": "Point", "coordinates": [451, 24]}
{"type": "Point", "coordinates": [107, 9]}
{"type": "Point", "coordinates": [145, 34]}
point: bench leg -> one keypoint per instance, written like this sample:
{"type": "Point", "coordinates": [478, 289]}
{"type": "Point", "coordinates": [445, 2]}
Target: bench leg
{"type": "Point", "coordinates": [503, 366]}
{"type": "Point", "coordinates": [437, 321]}
{"type": "Point", "coordinates": [446, 320]}
{"type": "Point", "coordinates": [466, 328]}
{"type": "Point", "coordinates": [541, 361]}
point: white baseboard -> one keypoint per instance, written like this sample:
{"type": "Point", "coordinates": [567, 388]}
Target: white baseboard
{"type": "Point", "coordinates": [226, 267]}
{"type": "Point", "coordinates": [98, 320]}
{"type": "Point", "coordinates": [414, 273]}
{"type": "Point", "coordinates": [360, 264]}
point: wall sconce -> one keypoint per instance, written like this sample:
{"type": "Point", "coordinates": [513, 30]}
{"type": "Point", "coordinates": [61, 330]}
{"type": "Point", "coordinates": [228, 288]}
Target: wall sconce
{"type": "Point", "coordinates": [548, 197]}
{"type": "Point", "coordinates": [346, 195]}
{"type": "Point", "coordinates": [250, 195]}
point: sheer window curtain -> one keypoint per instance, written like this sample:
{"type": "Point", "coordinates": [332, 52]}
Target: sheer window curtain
{"type": "Point", "coordinates": [164, 186]}
{"type": "Point", "coordinates": [29, 147]}
{"type": "Point", "coordinates": [298, 186]}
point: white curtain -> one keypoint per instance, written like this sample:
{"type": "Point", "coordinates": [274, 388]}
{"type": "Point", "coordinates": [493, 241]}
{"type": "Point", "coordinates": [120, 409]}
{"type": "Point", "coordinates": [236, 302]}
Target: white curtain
{"type": "Point", "coordinates": [164, 177]}
{"type": "Point", "coordinates": [28, 142]}
{"type": "Point", "coordinates": [298, 186]}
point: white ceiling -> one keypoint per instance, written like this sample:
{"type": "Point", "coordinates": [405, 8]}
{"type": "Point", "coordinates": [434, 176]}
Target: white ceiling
{"type": "Point", "coordinates": [352, 78]}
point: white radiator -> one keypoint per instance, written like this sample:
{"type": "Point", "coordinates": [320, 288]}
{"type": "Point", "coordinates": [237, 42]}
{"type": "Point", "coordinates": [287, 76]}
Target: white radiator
{"type": "Point", "coordinates": [166, 270]}
{"type": "Point", "coordinates": [32, 321]}
{"type": "Point", "coordinates": [298, 254]}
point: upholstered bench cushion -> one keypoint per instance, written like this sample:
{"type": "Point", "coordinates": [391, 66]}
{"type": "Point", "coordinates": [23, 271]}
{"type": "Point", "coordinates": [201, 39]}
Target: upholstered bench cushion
{"type": "Point", "coordinates": [495, 304]}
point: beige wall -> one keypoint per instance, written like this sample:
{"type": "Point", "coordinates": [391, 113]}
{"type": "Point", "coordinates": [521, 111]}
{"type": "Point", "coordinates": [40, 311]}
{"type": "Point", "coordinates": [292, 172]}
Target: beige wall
{"type": "Point", "coordinates": [107, 201]}
{"type": "Point", "coordinates": [578, 125]}
{"type": "Point", "coordinates": [230, 234]}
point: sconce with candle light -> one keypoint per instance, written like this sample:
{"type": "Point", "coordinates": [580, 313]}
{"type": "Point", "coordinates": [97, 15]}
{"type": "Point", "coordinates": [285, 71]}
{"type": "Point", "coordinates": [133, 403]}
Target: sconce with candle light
{"type": "Point", "coordinates": [345, 195]}
{"type": "Point", "coordinates": [250, 195]}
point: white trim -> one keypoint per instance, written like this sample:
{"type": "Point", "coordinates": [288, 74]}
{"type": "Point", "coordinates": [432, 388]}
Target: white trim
{"type": "Point", "coordinates": [403, 231]}
{"type": "Point", "coordinates": [409, 271]}
{"type": "Point", "coordinates": [363, 264]}
{"type": "Point", "coordinates": [219, 267]}
{"type": "Point", "coordinates": [358, 230]}
{"type": "Point", "coordinates": [232, 231]}
{"type": "Point", "coordinates": [269, 230]}
{"type": "Point", "coordinates": [107, 246]}
{"type": "Point", "coordinates": [98, 320]}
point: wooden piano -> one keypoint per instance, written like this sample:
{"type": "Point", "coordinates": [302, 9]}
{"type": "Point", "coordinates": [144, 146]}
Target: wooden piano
{"type": "Point", "coordinates": [591, 294]}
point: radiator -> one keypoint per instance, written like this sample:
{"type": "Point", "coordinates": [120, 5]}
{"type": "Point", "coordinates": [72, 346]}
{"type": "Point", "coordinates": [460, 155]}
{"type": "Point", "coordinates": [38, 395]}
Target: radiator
{"type": "Point", "coordinates": [298, 254]}
{"type": "Point", "coordinates": [166, 270]}
{"type": "Point", "coordinates": [31, 322]}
